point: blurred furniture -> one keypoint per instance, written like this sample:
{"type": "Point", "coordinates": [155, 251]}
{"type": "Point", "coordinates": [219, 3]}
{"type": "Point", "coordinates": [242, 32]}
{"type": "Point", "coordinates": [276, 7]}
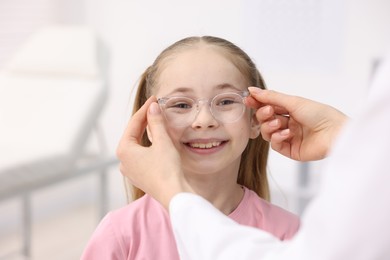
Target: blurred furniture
{"type": "Point", "coordinates": [51, 96]}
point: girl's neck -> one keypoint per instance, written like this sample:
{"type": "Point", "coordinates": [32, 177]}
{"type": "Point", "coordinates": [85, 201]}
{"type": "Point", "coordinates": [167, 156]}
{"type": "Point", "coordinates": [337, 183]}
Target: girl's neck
{"type": "Point", "coordinates": [225, 195]}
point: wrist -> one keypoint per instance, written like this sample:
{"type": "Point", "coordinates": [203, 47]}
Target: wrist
{"type": "Point", "coordinates": [338, 123]}
{"type": "Point", "coordinates": [177, 185]}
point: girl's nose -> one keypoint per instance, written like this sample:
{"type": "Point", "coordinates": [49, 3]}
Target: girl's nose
{"type": "Point", "coordinates": [204, 118]}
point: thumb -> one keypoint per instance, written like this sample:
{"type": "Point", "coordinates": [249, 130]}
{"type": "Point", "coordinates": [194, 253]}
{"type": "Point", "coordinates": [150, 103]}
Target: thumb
{"type": "Point", "coordinates": [156, 125]}
{"type": "Point", "coordinates": [282, 103]}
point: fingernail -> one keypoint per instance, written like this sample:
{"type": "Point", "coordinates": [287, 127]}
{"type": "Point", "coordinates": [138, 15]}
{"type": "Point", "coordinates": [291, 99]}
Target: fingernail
{"type": "Point", "coordinates": [267, 110]}
{"type": "Point", "coordinates": [285, 132]}
{"type": "Point", "coordinates": [154, 109]}
{"type": "Point", "coordinates": [254, 90]}
{"type": "Point", "coordinates": [273, 122]}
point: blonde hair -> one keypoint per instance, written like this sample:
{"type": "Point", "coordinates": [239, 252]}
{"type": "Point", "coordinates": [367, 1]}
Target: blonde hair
{"type": "Point", "coordinates": [252, 172]}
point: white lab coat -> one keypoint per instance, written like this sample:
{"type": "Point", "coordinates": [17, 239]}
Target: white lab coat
{"type": "Point", "coordinates": [349, 219]}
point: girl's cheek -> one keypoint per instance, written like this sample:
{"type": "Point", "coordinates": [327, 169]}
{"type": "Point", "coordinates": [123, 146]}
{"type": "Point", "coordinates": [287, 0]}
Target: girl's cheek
{"type": "Point", "coordinates": [175, 135]}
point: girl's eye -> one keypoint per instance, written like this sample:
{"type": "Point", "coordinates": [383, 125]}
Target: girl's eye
{"type": "Point", "coordinates": [179, 104]}
{"type": "Point", "coordinates": [182, 106]}
{"type": "Point", "coordinates": [225, 102]}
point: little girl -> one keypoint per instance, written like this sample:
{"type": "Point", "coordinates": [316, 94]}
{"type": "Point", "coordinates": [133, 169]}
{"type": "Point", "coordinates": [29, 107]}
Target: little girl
{"type": "Point", "coordinates": [200, 84]}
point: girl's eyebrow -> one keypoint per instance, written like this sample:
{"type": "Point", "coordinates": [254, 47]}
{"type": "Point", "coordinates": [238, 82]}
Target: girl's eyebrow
{"type": "Point", "coordinates": [182, 90]}
{"type": "Point", "coordinates": [227, 86]}
{"type": "Point", "coordinates": [186, 90]}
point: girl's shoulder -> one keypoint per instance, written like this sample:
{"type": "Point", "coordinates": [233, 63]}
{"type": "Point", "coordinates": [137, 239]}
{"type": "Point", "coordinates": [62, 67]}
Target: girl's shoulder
{"type": "Point", "coordinates": [127, 232]}
{"type": "Point", "coordinates": [139, 210]}
{"type": "Point", "coordinates": [257, 212]}
{"type": "Point", "coordinates": [267, 209]}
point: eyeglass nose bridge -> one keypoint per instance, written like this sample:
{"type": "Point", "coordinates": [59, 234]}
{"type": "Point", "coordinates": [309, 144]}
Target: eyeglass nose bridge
{"type": "Point", "coordinates": [200, 102]}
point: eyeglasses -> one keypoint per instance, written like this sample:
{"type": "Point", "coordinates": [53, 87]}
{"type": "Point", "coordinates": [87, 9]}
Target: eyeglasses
{"type": "Point", "coordinates": [182, 111]}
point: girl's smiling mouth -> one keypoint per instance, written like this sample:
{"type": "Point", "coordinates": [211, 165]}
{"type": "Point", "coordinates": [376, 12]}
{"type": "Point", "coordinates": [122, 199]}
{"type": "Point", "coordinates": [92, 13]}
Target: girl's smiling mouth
{"type": "Point", "coordinates": [205, 145]}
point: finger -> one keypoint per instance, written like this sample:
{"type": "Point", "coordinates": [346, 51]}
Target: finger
{"type": "Point", "coordinates": [268, 113]}
{"type": "Point", "coordinates": [156, 125]}
{"type": "Point", "coordinates": [267, 129]}
{"type": "Point", "coordinates": [270, 122]}
{"type": "Point", "coordinates": [284, 121]}
{"type": "Point", "coordinates": [276, 123]}
{"type": "Point", "coordinates": [252, 102]}
{"type": "Point", "coordinates": [265, 113]}
{"type": "Point", "coordinates": [282, 102]}
{"type": "Point", "coordinates": [137, 124]}
{"type": "Point", "coordinates": [278, 141]}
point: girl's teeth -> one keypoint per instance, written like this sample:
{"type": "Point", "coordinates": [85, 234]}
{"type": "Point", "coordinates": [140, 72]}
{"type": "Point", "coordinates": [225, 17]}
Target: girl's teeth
{"type": "Point", "coordinates": [205, 145]}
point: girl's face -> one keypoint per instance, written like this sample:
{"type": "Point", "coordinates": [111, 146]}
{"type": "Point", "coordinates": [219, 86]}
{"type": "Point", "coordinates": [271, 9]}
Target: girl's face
{"type": "Point", "coordinates": [206, 145]}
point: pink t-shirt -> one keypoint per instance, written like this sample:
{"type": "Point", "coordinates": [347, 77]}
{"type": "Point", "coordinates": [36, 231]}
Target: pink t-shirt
{"type": "Point", "coordinates": [142, 229]}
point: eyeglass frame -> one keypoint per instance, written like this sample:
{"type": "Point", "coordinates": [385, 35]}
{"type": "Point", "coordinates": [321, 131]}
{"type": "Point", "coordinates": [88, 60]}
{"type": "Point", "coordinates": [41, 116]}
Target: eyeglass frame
{"type": "Point", "coordinates": [243, 94]}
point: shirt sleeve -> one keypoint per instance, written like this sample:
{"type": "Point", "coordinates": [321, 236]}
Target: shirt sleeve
{"type": "Point", "coordinates": [203, 232]}
{"type": "Point", "coordinates": [348, 219]}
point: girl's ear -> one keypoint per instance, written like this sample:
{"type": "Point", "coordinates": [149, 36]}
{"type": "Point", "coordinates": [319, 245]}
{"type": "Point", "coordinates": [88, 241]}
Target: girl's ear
{"type": "Point", "coordinates": [255, 127]}
{"type": "Point", "coordinates": [149, 134]}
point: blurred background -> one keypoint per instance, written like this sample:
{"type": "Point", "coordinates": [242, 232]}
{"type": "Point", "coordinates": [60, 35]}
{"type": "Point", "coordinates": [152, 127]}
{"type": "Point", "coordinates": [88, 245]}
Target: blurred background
{"type": "Point", "coordinates": [94, 53]}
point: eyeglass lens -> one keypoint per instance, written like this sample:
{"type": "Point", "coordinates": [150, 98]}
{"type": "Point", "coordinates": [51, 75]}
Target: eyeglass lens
{"type": "Point", "coordinates": [226, 108]}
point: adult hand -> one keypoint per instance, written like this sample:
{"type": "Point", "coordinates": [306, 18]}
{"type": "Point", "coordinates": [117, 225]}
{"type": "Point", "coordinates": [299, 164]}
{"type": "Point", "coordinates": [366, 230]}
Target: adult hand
{"type": "Point", "coordinates": [155, 169]}
{"type": "Point", "coordinates": [298, 128]}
